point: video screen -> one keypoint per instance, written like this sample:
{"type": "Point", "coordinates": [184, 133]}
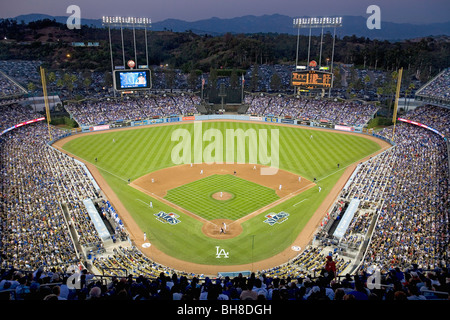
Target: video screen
{"type": "Point", "coordinates": [132, 79]}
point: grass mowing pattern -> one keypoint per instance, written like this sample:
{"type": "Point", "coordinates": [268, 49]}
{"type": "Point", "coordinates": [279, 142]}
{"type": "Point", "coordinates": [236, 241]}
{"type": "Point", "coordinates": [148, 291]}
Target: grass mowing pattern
{"type": "Point", "coordinates": [146, 149]}
{"type": "Point", "coordinates": [197, 197]}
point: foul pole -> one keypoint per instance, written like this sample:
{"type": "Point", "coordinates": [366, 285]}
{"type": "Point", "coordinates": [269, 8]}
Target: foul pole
{"type": "Point", "coordinates": [397, 94]}
{"type": "Point", "coordinates": [47, 109]}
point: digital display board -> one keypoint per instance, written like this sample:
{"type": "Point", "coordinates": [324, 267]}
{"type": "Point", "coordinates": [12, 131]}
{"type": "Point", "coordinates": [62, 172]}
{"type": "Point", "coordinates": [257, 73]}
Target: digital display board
{"type": "Point", "coordinates": [423, 126]}
{"type": "Point", "coordinates": [311, 79]}
{"type": "Point", "coordinates": [22, 124]}
{"type": "Point", "coordinates": [132, 79]}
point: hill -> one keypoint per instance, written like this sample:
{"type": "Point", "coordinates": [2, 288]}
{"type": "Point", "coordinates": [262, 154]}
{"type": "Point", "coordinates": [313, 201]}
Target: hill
{"type": "Point", "coordinates": [52, 42]}
{"type": "Point", "coordinates": [275, 23]}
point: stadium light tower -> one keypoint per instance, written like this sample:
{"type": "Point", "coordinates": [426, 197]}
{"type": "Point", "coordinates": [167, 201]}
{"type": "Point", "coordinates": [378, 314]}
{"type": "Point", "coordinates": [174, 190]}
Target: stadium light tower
{"type": "Point", "coordinates": [322, 22]}
{"type": "Point", "coordinates": [127, 22]}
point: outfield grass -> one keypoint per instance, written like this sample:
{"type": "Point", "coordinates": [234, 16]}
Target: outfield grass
{"type": "Point", "coordinates": [197, 197]}
{"type": "Point", "coordinates": [146, 149]}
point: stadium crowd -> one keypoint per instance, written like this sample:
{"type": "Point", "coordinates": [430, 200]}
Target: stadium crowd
{"type": "Point", "coordinates": [405, 191]}
{"type": "Point", "coordinates": [106, 111]}
{"type": "Point", "coordinates": [37, 181]}
{"type": "Point", "coordinates": [414, 219]}
{"type": "Point", "coordinates": [433, 116]}
{"type": "Point", "coordinates": [409, 243]}
{"type": "Point", "coordinates": [7, 87]}
{"type": "Point", "coordinates": [438, 87]}
{"type": "Point", "coordinates": [57, 284]}
{"type": "Point", "coordinates": [349, 113]}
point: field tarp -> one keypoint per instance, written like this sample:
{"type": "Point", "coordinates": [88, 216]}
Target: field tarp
{"type": "Point", "coordinates": [99, 225]}
{"type": "Point", "coordinates": [347, 218]}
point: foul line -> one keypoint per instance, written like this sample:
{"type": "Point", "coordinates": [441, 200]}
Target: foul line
{"type": "Point", "coordinates": [351, 164]}
{"type": "Point", "coordinates": [299, 202]}
{"type": "Point", "coordinates": [168, 202]}
{"type": "Point", "coordinates": [69, 154]}
{"type": "Point", "coordinates": [275, 203]}
{"type": "Point", "coordinates": [143, 202]}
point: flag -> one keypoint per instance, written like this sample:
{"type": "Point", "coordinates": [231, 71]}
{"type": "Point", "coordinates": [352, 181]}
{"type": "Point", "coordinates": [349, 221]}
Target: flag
{"type": "Point", "coordinates": [243, 80]}
{"type": "Point", "coordinates": [203, 82]}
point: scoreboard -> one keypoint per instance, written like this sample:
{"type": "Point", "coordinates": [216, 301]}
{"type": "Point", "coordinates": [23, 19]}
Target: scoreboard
{"type": "Point", "coordinates": [312, 79]}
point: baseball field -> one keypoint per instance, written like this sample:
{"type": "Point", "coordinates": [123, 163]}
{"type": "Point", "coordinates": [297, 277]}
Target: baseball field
{"type": "Point", "coordinates": [182, 206]}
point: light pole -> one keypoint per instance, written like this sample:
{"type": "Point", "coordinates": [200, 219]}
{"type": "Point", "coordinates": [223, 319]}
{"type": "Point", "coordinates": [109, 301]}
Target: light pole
{"type": "Point", "coordinates": [323, 22]}
{"type": "Point", "coordinates": [126, 22]}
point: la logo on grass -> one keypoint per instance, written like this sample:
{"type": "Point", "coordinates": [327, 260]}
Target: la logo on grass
{"type": "Point", "coordinates": [221, 253]}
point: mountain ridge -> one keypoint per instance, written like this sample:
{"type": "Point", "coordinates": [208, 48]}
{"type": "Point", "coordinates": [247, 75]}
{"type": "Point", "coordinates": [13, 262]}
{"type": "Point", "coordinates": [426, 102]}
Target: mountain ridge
{"type": "Point", "coordinates": [275, 23]}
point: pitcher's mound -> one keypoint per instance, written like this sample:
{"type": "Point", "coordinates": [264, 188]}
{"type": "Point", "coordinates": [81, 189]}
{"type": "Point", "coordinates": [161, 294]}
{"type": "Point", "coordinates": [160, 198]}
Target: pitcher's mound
{"type": "Point", "coordinates": [222, 196]}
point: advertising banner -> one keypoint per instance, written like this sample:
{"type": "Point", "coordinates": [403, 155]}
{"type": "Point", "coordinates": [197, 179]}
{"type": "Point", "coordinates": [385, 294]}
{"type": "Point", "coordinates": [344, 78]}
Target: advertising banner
{"type": "Point", "coordinates": [153, 121]}
{"type": "Point", "coordinates": [421, 125]}
{"type": "Point", "coordinates": [344, 128]}
{"type": "Point", "coordinates": [98, 128]}
{"type": "Point", "coordinates": [137, 123]}
{"type": "Point", "coordinates": [22, 124]}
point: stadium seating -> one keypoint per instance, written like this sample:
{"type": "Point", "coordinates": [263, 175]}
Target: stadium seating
{"type": "Point", "coordinates": [402, 221]}
{"type": "Point", "coordinates": [108, 111]}
{"type": "Point", "coordinates": [437, 88]}
{"type": "Point", "coordinates": [348, 113]}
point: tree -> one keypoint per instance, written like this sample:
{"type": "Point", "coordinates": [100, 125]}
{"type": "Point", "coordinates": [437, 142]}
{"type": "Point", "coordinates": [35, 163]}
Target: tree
{"type": "Point", "coordinates": [60, 83]}
{"type": "Point", "coordinates": [275, 82]}
{"type": "Point", "coordinates": [407, 92]}
{"type": "Point", "coordinates": [107, 78]}
{"type": "Point", "coordinates": [31, 87]}
{"type": "Point", "coordinates": [366, 80]}
{"type": "Point", "coordinates": [170, 78]}
{"type": "Point", "coordinates": [87, 82]}
{"type": "Point", "coordinates": [51, 77]}
{"type": "Point", "coordinates": [255, 78]}
{"type": "Point", "coordinates": [337, 81]}
{"type": "Point", "coordinates": [234, 79]}
{"type": "Point", "coordinates": [192, 79]}
{"type": "Point", "coordinates": [212, 78]}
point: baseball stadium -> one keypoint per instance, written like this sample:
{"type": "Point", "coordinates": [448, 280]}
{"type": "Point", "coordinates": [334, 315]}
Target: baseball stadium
{"type": "Point", "coordinates": [221, 191]}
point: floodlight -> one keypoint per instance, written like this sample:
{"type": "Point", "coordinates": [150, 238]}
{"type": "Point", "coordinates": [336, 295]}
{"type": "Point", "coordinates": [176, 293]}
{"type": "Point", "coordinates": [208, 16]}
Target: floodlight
{"type": "Point", "coordinates": [134, 22]}
{"type": "Point", "coordinates": [317, 22]}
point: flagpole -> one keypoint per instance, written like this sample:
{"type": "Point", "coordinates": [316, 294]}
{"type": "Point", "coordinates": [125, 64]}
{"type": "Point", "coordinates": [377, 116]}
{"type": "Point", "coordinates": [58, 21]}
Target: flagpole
{"type": "Point", "coordinates": [203, 84]}
{"type": "Point", "coordinates": [242, 88]}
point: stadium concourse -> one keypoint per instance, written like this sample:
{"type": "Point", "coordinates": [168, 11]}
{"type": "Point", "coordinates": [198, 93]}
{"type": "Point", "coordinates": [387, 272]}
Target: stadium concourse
{"type": "Point", "coordinates": [399, 226]}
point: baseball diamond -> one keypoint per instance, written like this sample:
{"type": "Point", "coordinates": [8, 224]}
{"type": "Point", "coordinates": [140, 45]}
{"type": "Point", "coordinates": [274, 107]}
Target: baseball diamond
{"type": "Point", "coordinates": [137, 168]}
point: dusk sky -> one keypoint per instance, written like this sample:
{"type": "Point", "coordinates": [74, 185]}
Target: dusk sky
{"type": "Point", "coordinates": [411, 11]}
